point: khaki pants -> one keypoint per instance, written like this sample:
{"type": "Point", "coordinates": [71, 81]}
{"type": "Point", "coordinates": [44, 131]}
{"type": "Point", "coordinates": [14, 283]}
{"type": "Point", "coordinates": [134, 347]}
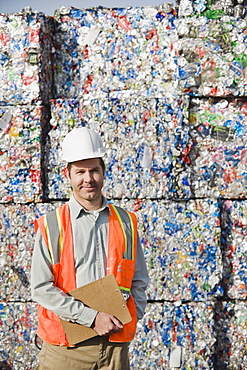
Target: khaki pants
{"type": "Point", "coordinates": [92, 354]}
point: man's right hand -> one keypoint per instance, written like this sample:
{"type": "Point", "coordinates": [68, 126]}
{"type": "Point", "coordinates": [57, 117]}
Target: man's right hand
{"type": "Point", "coordinates": [105, 324]}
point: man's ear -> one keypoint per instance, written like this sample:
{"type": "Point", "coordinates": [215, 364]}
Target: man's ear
{"type": "Point", "coordinates": [67, 174]}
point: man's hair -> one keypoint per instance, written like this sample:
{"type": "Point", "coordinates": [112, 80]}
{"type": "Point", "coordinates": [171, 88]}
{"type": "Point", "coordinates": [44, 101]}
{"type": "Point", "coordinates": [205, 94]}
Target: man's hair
{"type": "Point", "coordinates": [101, 162]}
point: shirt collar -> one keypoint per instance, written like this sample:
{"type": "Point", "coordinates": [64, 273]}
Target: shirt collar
{"type": "Point", "coordinates": [76, 208]}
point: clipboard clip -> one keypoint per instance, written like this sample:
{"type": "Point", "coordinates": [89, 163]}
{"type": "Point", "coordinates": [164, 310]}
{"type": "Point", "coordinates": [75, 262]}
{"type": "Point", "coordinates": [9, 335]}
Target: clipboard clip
{"type": "Point", "coordinates": [125, 294]}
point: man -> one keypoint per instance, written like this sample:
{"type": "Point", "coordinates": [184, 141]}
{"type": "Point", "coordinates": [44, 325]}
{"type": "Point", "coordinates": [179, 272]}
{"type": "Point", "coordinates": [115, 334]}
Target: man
{"type": "Point", "coordinates": [82, 241]}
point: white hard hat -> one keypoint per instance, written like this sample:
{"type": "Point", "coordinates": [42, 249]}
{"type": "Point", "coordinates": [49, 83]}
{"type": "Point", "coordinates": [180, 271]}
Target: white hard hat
{"type": "Point", "coordinates": [82, 143]}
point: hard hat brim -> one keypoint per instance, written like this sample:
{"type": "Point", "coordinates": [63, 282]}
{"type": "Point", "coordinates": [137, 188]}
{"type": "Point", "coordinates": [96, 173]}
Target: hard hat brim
{"type": "Point", "coordinates": [70, 159]}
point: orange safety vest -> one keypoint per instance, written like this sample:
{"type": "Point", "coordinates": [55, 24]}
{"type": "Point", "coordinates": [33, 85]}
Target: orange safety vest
{"type": "Point", "coordinates": [122, 240]}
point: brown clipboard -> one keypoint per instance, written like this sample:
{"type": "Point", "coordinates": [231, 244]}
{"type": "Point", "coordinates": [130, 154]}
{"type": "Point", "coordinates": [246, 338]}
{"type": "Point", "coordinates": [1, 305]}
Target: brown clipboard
{"type": "Point", "coordinates": [102, 295]}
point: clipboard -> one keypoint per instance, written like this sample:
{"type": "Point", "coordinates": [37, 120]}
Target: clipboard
{"type": "Point", "coordinates": [103, 295]}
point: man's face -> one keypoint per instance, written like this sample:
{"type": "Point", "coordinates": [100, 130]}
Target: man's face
{"type": "Point", "coordinates": [86, 178]}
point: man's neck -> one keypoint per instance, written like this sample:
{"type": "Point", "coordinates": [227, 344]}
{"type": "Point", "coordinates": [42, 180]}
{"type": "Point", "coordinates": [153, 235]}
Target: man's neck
{"type": "Point", "coordinates": [90, 205]}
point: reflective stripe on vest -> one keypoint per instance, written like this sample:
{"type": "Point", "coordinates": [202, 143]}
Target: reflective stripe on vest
{"type": "Point", "coordinates": [129, 247]}
{"type": "Point", "coordinates": [125, 220]}
{"type": "Point", "coordinates": [53, 229]}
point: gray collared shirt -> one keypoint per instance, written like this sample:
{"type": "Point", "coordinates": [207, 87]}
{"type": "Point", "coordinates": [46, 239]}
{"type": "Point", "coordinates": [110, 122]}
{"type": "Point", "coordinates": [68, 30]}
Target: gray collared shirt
{"type": "Point", "coordinates": [90, 234]}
